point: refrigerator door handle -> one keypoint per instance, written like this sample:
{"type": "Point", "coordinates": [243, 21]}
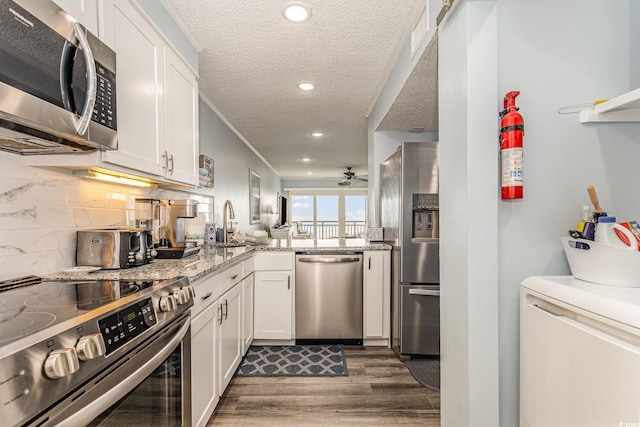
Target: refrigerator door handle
{"type": "Point", "coordinates": [425, 292]}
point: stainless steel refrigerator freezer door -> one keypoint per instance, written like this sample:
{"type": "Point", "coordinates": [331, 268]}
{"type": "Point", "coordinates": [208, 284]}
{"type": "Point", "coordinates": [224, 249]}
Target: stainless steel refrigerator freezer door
{"type": "Point", "coordinates": [420, 262]}
{"type": "Point", "coordinates": [420, 323]}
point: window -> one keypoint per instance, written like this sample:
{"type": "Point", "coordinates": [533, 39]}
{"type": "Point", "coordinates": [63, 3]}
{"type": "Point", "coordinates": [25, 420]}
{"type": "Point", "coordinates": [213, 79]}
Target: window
{"type": "Point", "coordinates": [329, 214]}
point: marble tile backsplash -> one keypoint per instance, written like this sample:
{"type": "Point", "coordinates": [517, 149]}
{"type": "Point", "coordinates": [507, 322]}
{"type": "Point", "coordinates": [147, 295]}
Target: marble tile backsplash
{"type": "Point", "coordinates": [41, 210]}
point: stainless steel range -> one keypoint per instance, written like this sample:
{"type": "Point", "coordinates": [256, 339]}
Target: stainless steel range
{"type": "Point", "coordinates": [95, 352]}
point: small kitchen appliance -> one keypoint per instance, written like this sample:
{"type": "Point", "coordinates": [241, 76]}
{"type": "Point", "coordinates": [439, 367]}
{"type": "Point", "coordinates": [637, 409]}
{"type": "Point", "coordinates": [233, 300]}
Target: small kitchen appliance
{"type": "Point", "coordinates": [172, 234]}
{"type": "Point", "coordinates": [115, 248]}
{"type": "Point", "coordinates": [95, 352]}
{"type": "Point", "coordinates": [57, 82]}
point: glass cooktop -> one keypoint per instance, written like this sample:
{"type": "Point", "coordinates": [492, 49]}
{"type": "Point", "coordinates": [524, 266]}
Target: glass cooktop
{"type": "Point", "coordinates": [30, 307]}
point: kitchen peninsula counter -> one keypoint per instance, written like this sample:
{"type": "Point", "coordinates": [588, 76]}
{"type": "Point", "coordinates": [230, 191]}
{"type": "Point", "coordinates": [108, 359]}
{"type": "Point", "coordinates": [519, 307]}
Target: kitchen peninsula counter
{"type": "Point", "coordinates": [214, 258]}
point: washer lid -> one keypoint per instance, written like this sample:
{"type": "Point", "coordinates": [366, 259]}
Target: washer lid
{"type": "Point", "coordinates": [616, 303]}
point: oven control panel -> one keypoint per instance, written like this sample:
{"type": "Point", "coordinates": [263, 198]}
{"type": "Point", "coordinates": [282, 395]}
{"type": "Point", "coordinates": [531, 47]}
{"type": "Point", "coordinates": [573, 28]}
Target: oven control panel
{"type": "Point", "coordinates": [126, 324]}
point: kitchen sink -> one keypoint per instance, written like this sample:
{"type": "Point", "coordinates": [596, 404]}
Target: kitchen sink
{"type": "Point", "coordinates": [230, 244]}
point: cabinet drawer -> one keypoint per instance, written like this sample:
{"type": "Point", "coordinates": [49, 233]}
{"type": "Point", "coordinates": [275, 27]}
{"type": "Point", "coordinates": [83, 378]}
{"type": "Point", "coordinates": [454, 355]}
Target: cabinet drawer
{"type": "Point", "coordinates": [247, 267]}
{"type": "Point", "coordinates": [207, 291]}
{"type": "Point", "coordinates": [266, 261]}
{"type": "Point", "coordinates": [229, 277]}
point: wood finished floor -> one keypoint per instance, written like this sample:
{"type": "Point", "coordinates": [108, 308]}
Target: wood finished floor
{"type": "Point", "coordinates": [379, 391]}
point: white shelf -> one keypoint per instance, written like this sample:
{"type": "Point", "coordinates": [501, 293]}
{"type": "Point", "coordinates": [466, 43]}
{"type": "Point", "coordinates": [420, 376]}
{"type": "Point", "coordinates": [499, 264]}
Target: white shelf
{"type": "Point", "coordinates": [624, 108]}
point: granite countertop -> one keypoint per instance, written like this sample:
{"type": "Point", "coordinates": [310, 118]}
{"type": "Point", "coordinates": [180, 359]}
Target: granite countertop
{"type": "Point", "coordinates": [214, 258]}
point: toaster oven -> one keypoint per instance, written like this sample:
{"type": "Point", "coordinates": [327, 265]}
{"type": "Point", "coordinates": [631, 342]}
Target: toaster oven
{"type": "Point", "coordinates": [114, 249]}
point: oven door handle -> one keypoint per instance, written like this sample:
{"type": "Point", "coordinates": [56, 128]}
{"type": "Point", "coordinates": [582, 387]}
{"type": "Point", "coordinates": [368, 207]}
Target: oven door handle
{"type": "Point", "coordinates": [89, 412]}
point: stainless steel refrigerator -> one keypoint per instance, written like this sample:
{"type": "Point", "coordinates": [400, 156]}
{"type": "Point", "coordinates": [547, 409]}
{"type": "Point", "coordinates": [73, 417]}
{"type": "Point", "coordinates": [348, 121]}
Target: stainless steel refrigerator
{"type": "Point", "coordinates": [409, 214]}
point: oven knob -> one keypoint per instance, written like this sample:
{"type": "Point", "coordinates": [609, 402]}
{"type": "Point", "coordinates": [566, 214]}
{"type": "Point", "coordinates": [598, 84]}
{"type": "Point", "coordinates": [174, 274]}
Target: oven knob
{"type": "Point", "coordinates": [181, 296]}
{"type": "Point", "coordinates": [167, 303]}
{"type": "Point", "coordinates": [90, 346]}
{"type": "Point", "coordinates": [61, 363]}
{"type": "Point", "coordinates": [190, 291]}
{"type": "Point", "coordinates": [154, 253]}
{"type": "Point", "coordinates": [139, 256]}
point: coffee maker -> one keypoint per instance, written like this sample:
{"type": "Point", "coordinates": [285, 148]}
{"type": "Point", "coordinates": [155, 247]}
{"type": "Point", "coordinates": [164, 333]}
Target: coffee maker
{"type": "Point", "coordinates": [167, 218]}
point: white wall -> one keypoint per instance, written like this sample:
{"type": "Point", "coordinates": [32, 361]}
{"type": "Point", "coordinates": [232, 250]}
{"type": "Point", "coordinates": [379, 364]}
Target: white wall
{"type": "Point", "coordinates": [232, 161]}
{"type": "Point", "coordinates": [468, 216]}
{"type": "Point", "coordinates": [586, 52]}
{"type": "Point", "coordinates": [556, 54]}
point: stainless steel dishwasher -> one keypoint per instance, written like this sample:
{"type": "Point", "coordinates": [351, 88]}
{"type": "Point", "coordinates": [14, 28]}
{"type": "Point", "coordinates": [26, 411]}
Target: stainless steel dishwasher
{"type": "Point", "coordinates": [329, 297]}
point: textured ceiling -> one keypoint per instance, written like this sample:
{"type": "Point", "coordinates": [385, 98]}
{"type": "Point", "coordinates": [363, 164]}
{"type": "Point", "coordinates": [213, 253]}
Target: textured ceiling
{"type": "Point", "coordinates": [252, 59]}
{"type": "Point", "coordinates": [416, 107]}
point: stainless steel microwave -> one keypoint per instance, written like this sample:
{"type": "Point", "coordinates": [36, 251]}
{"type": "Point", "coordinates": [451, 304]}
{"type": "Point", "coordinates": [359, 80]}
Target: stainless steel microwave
{"type": "Point", "coordinates": [57, 82]}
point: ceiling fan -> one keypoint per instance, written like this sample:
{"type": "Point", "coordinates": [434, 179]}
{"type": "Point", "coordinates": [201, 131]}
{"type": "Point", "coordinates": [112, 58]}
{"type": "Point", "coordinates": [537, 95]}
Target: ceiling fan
{"type": "Point", "coordinates": [348, 177]}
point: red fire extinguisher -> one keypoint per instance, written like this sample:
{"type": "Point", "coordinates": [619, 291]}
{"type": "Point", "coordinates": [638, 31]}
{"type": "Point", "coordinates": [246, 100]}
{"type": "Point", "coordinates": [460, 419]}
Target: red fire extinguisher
{"type": "Point", "coordinates": [511, 132]}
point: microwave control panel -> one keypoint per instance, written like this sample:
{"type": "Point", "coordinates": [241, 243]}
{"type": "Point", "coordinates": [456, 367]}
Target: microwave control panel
{"type": "Point", "coordinates": [104, 110]}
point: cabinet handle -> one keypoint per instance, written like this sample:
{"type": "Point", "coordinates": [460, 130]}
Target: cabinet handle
{"type": "Point", "coordinates": [205, 296]}
{"type": "Point", "coordinates": [226, 309]}
{"type": "Point", "coordinates": [369, 263]}
{"type": "Point", "coordinates": [172, 165]}
{"type": "Point", "coordinates": [165, 156]}
{"type": "Point", "coordinates": [234, 277]}
{"type": "Point", "coordinates": [288, 282]}
{"type": "Point", "coordinates": [220, 313]}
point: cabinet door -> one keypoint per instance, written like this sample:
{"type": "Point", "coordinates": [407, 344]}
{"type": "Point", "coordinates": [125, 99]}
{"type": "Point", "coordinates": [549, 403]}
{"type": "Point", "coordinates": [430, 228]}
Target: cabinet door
{"type": "Point", "coordinates": [181, 120]}
{"type": "Point", "coordinates": [204, 390]}
{"type": "Point", "coordinates": [273, 305]}
{"type": "Point", "coordinates": [84, 11]}
{"type": "Point", "coordinates": [230, 335]}
{"type": "Point", "coordinates": [247, 309]}
{"type": "Point", "coordinates": [139, 82]}
{"type": "Point", "coordinates": [376, 281]}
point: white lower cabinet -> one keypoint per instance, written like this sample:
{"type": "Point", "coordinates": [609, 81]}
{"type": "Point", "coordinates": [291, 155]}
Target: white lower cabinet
{"type": "Point", "coordinates": [376, 295]}
{"type": "Point", "coordinates": [216, 339]}
{"type": "Point", "coordinates": [247, 309]}
{"type": "Point", "coordinates": [230, 338]}
{"type": "Point", "coordinates": [204, 390]}
{"type": "Point", "coordinates": [272, 317]}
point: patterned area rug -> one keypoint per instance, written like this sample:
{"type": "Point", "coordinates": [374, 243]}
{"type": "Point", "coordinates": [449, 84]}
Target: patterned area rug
{"type": "Point", "coordinates": [295, 360]}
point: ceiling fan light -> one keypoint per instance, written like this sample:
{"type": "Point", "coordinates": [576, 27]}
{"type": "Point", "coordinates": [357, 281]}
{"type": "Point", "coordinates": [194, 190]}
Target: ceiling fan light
{"type": "Point", "coordinates": [296, 12]}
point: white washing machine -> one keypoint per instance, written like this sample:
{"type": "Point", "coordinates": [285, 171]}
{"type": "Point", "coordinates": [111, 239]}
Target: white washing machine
{"type": "Point", "coordinates": [579, 353]}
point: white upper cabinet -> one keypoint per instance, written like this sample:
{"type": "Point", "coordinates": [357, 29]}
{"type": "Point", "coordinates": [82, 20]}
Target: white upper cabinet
{"type": "Point", "coordinates": [181, 120]}
{"type": "Point", "coordinates": [157, 99]}
{"type": "Point", "coordinates": [139, 88]}
{"type": "Point", "coordinates": [85, 11]}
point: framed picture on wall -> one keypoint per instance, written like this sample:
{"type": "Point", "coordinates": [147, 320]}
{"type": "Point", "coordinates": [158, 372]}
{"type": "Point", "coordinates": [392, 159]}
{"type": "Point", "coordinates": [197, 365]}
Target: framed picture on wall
{"type": "Point", "coordinates": [254, 197]}
{"type": "Point", "coordinates": [206, 171]}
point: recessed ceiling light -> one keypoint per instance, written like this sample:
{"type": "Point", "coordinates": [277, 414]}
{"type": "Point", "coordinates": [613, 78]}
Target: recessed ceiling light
{"type": "Point", "coordinates": [306, 86]}
{"type": "Point", "coordinates": [309, 173]}
{"type": "Point", "coordinates": [317, 134]}
{"type": "Point", "coordinates": [306, 159]}
{"type": "Point", "coordinates": [296, 12]}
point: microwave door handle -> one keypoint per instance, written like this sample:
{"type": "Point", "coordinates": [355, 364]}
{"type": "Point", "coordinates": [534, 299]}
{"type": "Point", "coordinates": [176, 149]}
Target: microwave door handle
{"type": "Point", "coordinates": [65, 75]}
{"type": "Point", "coordinates": [82, 124]}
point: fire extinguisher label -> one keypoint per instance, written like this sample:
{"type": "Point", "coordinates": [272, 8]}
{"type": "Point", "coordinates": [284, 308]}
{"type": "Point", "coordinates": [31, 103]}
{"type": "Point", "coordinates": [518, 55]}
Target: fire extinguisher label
{"type": "Point", "coordinates": [512, 167]}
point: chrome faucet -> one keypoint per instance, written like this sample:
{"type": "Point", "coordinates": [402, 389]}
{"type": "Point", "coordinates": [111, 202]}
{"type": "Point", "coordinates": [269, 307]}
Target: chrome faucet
{"type": "Point", "coordinates": [232, 215]}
